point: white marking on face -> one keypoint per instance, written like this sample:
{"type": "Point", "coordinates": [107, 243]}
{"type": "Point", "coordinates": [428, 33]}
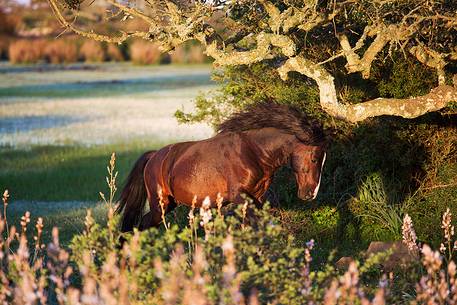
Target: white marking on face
{"type": "Point", "coordinates": [316, 190]}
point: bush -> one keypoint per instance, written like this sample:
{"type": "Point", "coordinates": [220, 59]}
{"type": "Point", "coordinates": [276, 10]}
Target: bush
{"type": "Point", "coordinates": [61, 51]}
{"type": "Point", "coordinates": [217, 259]}
{"type": "Point", "coordinates": [196, 55]}
{"type": "Point", "coordinates": [188, 54]}
{"type": "Point", "coordinates": [230, 262]}
{"type": "Point", "coordinates": [144, 53]}
{"type": "Point", "coordinates": [4, 45]}
{"type": "Point", "coordinates": [26, 51]}
{"type": "Point", "coordinates": [178, 55]}
{"type": "Point", "coordinates": [114, 53]}
{"type": "Point", "coordinates": [398, 151]}
{"type": "Point", "coordinates": [92, 51]}
{"type": "Point", "coordinates": [381, 217]}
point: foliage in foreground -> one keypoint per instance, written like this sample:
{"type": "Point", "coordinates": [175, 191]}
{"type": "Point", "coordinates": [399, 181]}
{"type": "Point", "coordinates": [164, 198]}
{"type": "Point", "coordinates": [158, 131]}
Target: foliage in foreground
{"type": "Point", "coordinates": [217, 259]}
{"type": "Point", "coordinates": [241, 257]}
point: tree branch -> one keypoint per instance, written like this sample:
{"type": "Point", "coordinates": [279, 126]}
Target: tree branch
{"type": "Point", "coordinates": [116, 39]}
{"type": "Point", "coordinates": [432, 59]}
{"type": "Point", "coordinates": [383, 36]}
{"type": "Point", "coordinates": [262, 51]}
{"type": "Point", "coordinates": [305, 18]}
{"type": "Point", "coordinates": [413, 107]}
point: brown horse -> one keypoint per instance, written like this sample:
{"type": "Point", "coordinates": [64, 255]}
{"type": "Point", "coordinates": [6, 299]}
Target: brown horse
{"type": "Point", "coordinates": [240, 159]}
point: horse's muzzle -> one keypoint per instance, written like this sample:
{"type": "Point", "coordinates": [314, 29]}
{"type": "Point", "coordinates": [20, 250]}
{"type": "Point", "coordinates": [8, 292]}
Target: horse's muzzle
{"type": "Point", "coordinates": [306, 195]}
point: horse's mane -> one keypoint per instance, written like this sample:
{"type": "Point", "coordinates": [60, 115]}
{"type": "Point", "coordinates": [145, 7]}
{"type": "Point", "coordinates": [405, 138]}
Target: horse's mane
{"type": "Point", "coordinates": [271, 114]}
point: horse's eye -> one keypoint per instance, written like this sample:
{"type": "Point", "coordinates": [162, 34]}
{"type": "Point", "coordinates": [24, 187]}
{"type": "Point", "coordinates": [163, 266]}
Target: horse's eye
{"type": "Point", "coordinates": [314, 160]}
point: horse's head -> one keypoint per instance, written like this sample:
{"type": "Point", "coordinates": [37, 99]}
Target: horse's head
{"type": "Point", "coordinates": [307, 163]}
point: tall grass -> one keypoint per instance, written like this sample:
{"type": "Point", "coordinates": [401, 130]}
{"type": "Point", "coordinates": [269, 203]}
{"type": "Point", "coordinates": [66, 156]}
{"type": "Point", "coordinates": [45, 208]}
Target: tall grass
{"type": "Point", "coordinates": [233, 263]}
{"type": "Point", "coordinates": [92, 51]}
{"type": "Point", "coordinates": [114, 53]}
{"type": "Point", "coordinates": [193, 54]}
{"type": "Point", "coordinates": [26, 51]}
{"type": "Point", "coordinates": [4, 45]}
{"type": "Point", "coordinates": [196, 55]}
{"type": "Point", "coordinates": [61, 51]}
{"type": "Point", "coordinates": [144, 53]}
{"type": "Point", "coordinates": [66, 50]}
{"type": "Point", "coordinates": [374, 205]}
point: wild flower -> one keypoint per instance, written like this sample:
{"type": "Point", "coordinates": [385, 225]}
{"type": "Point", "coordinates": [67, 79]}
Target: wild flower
{"type": "Point", "coordinates": [448, 230]}
{"type": "Point", "coordinates": [205, 211]}
{"type": "Point", "coordinates": [232, 266]}
{"type": "Point", "coordinates": [110, 181]}
{"type": "Point", "coordinates": [431, 259]}
{"type": "Point", "coordinates": [5, 197]}
{"type": "Point", "coordinates": [37, 238]}
{"type": "Point", "coordinates": [206, 216]}
{"type": "Point", "coordinates": [25, 220]}
{"type": "Point", "coordinates": [219, 202]}
{"type": "Point", "coordinates": [409, 235]}
{"type": "Point", "coordinates": [163, 208]}
{"type": "Point", "coordinates": [89, 221]}
{"type": "Point", "coordinates": [193, 225]}
{"type": "Point", "coordinates": [244, 211]}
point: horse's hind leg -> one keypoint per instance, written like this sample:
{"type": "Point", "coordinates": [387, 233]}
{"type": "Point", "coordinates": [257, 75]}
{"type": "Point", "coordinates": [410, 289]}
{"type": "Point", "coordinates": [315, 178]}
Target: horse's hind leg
{"type": "Point", "coordinates": [149, 220]}
{"type": "Point", "coordinates": [153, 218]}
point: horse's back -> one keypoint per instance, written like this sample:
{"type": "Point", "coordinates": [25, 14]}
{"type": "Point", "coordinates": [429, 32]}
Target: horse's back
{"type": "Point", "coordinates": [202, 168]}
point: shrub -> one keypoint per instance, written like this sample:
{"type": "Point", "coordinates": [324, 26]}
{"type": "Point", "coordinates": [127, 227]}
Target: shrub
{"type": "Point", "coordinates": [92, 51]}
{"type": "Point", "coordinates": [4, 45]}
{"type": "Point", "coordinates": [178, 55]}
{"type": "Point", "coordinates": [61, 51]}
{"type": "Point", "coordinates": [26, 51]}
{"type": "Point", "coordinates": [230, 263]}
{"type": "Point", "coordinates": [188, 54]}
{"type": "Point", "coordinates": [196, 55]}
{"type": "Point", "coordinates": [381, 217]}
{"type": "Point", "coordinates": [144, 53]}
{"type": "Point", "coordinates": [225, 261]}
{"type": "Point", "coordinates": [114, 53]}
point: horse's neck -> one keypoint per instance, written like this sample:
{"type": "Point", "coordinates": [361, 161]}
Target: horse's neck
{"type": "Point", "coordinates": [275, 146]}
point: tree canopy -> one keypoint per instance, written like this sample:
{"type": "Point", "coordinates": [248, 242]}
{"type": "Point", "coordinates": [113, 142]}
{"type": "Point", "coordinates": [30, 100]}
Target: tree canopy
{"type": "Point", "coordinates": [321, 40]}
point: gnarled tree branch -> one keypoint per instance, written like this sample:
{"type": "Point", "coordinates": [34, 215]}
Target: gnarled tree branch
{"type": "Point", "coordinates": [262, 51]}
{"type": "Point", "coordinates": [413, 107]}
{"type": "Point", "coordinates": [277, 38]}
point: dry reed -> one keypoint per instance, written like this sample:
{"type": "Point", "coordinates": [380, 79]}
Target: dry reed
{"type": "Point", "coordinates": [114, 53]}
{"type": "Point", "coordinates": [92, 51]}
{"type": "Point", "coordinates": [40, 279]}
{"type": "Point", "coordinates": [61, 51]}
{"type": "Point", "coordinates": [26, 51]}
{"type": "Point", "coordinates": [114, 282]}
{"type": "Point", "coordinates": [193, 54]}
{"type": "Point", "coordinates": [144, 53]}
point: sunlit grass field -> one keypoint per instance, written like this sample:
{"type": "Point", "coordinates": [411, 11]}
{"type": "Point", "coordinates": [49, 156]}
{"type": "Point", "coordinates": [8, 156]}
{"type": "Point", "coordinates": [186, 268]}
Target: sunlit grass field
{"type": "Point", "coordinates": [60, 124]}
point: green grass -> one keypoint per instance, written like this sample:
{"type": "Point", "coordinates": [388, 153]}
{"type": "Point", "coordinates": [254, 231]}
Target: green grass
{"type": "Point", "coordinates": [69, 221]}
{"type": "Point", "coordinates": [62, 173]}
{"type": "Point", "coordinates": [40, 178]}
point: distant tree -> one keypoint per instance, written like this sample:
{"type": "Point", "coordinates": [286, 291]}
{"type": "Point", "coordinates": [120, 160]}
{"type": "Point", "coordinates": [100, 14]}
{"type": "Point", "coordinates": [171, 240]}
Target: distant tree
{"type": "Point", "coordinates": [321, 40]}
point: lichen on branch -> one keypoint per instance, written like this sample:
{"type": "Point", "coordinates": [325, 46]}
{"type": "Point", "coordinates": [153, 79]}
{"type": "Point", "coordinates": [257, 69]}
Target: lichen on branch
{"type": "Point", "coordinates": [306, 37]}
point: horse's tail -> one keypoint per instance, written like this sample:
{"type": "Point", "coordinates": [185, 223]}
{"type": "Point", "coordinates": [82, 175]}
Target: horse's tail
{"type": "Point", "coordinates": [133, 196]}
